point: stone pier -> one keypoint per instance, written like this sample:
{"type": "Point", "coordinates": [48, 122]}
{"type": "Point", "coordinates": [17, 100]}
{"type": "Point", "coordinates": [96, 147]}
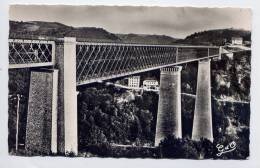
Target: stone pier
{"type": "Point", "coordinates": [169, 108]}
{"type": "Point", "coordinates": [202, 122]}
{"type": "Point", "coordinates": [41, 127]}
{"type": "Point", "coordinates": [52, 108]}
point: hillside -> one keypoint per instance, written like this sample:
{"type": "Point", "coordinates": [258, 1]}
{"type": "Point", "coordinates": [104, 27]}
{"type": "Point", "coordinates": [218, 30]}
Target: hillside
{"type": "Point", "coordinates": [50, 30]}
{"type": "Point", "coordinates": [216, 37]}
{"type": "Point", "coordinates": [146, 38]}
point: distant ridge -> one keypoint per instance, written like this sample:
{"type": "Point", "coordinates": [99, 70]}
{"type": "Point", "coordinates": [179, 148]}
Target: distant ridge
{"type": "Point", "coordinates": [36, 29]}
{"type": "Point", "coordinates": [50, 30]}
{"type": "Point", "coordinates": [147, 38]}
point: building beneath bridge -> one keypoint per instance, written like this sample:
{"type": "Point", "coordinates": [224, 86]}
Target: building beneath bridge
{"type": "Point", "coordinates": [237, 40]}
{"type": "Point", "coordinates": [150, 84]}
{"type": "Point", "coordinates": [134, 81]}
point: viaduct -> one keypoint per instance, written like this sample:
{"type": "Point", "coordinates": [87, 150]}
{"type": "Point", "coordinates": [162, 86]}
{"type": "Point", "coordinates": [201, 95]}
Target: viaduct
{"type": "Point", "coordinates": [59, 66]}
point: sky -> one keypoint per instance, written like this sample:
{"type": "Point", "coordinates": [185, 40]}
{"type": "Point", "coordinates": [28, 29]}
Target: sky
{"type": "Point", "coordinates": [177, 22]}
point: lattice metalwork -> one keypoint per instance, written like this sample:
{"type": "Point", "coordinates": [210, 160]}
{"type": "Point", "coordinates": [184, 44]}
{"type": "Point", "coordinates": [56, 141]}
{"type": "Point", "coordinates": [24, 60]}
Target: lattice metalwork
{"type": "Point", "coordinates": [31, 53]}
{"type": "Point", "coordinates": [190, 53]}
{"type": "Point", "coordinates": [98, 61]}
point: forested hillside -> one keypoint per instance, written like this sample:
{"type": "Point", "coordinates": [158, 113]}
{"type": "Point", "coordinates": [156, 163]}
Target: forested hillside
{"type": "Point", "coordinates": [52, 30]}
{"type": "Point", "coordinates": [146, 38]}
{"type": "Point", "coordinates": [216, 37]}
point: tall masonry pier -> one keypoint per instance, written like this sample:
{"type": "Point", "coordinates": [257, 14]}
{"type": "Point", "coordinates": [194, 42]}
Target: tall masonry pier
{"type": "Point", "coordinates": [52, 107]}
{"type": "Point", "coordinates": [202, 122]}
{"type": "Point", "coordinates": [169, 108]}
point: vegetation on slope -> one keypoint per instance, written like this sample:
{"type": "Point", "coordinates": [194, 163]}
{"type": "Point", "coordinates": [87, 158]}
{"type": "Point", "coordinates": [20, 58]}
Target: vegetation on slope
{"type": "Point", "coordinates": [51, 30]}
{"type": "Point", "coordinates": [216, 37]}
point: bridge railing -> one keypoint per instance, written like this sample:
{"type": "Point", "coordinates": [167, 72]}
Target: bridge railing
{"type": "Point", "coordinates": [106, 60]}
{"type": "Point", "coordinates": [31, 53]}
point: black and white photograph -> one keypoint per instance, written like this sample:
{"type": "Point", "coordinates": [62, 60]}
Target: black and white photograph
{"type": "Point", "coordinates": [129, 82]}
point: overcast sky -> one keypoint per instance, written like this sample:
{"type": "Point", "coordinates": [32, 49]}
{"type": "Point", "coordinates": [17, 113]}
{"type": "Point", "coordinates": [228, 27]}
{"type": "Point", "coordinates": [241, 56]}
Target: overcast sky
{"type": "Point", "coordinates": [173, 21]}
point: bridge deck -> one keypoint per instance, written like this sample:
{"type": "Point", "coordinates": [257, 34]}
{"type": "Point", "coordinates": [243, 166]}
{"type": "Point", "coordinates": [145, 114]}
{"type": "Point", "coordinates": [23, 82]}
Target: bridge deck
{"type": "Point", "coordinates": [101, 61]}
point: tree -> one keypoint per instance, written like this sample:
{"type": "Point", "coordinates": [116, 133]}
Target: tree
{"type": "Point", "coordinates": [172, 147]}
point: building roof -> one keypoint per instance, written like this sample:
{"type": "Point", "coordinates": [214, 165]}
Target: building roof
{"type": "Point", "coordinates": [237, 38]}
{"type": "Point", "coordinates": [150, 80]}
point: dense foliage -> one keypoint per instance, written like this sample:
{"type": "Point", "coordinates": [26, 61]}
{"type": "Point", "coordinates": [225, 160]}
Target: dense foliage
{"type": "Point", "coordinates": [230, 116]}
{"type": "Point", "coordinates": [172, 147]}
{"type": "Point", "coordinates": [18, 86]}
{"type": "Point", "coordinates": [116, 116]}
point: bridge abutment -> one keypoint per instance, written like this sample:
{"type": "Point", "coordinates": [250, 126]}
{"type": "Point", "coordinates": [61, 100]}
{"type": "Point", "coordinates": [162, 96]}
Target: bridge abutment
{"type": "Point", "coordinates": [202, 122]}
{"type": "Point", "coordinates": [169, 108]}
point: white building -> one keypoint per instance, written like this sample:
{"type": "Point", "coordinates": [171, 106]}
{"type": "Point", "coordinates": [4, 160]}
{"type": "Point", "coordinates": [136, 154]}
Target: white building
{"type": "Point", "coordinates": [237, 40]}
{"type": "Point", "coordinates": [150, 84]}
{"type": "Point", "coordinates": [134, 81]}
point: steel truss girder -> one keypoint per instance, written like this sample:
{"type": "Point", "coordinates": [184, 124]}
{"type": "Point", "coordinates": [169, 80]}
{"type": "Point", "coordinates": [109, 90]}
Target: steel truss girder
{"type": "Point", "coordinates": [31, 53]}
{"type": "Point", "coordinates": [108, 60]}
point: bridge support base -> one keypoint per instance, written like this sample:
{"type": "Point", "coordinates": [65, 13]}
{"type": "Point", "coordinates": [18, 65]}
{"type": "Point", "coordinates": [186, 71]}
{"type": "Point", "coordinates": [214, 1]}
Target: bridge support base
{"type": "Point", "coordinates": [169, 108]}
{"type": "Point", "coordinates": [202, 122]}
{"type": "Point", "coordinates": [41, 128]}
